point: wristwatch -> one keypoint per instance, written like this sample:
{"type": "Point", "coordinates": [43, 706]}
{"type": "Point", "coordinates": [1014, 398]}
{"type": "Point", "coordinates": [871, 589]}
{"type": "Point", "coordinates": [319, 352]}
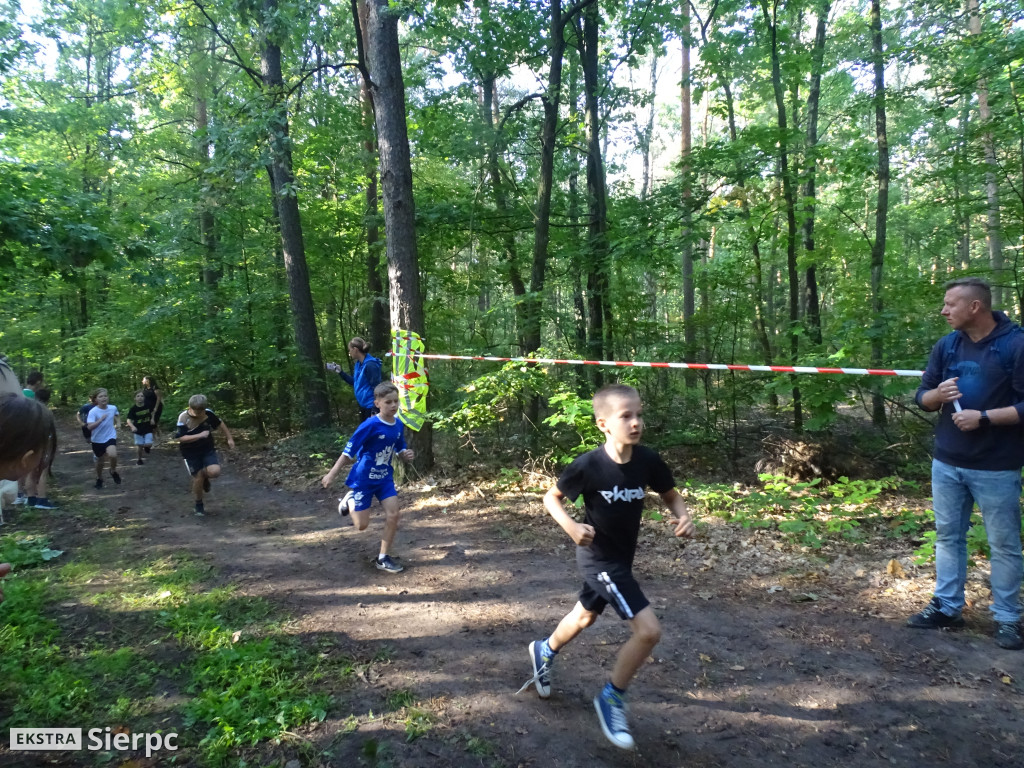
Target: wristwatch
{"type": "Point", "coordinates": [984, 420]}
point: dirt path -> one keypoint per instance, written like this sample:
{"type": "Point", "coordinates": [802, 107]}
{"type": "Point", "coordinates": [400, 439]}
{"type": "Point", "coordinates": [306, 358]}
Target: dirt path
{"type": "Point", "coordinates": [768, 657]}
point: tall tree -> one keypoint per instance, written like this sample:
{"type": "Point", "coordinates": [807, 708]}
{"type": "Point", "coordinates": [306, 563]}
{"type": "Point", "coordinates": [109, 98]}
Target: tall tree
{"type": "Point", "coordinates": [307, 339]}
{"type": "Point", "coordinates": [770, 16]}
{"type": "Point", "coordinates": [389, 107]}
{"type": "Point", "coordinates": [881, 205]}
{"type": "Point", "coordinates": [993, 233]}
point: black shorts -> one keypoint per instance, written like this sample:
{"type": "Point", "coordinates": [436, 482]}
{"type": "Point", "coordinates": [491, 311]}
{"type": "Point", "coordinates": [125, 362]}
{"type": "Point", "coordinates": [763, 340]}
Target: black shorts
{"type": "Point", "coordinates": [197, 464]}
{"type": "Point", "coordinates": [100, 449]}
{"type": "Point", "coordinates": [605, 583]}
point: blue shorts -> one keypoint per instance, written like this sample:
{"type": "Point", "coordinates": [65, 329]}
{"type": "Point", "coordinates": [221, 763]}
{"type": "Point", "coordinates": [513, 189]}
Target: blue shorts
{"type": "Point", "coordinates": [197, 464]}
{"type": "Point", "coordinates": [613, 583]}
{"type": "Point", "coordinates": [146, 439]}
{"type": "Point", "coordinates": [363, 494]}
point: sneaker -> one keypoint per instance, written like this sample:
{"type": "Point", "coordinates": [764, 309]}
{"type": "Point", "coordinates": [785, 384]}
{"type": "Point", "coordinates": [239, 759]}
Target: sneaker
{"type": "Point", "coordinates": [140, 462]}
{"type": "Point", "coordinates": [611, 713]}
{"type": "Point", "coordinates": [99, 482]}
{"type": "Point", "coordinates": [1008, 636]}
{"type": "Point", "coordinates": [22, 499]}
{"type": "Point", "coordinates": [45, 503]}
{"type": "Point", "coordinates": [116, 477]}
{"type": "Point", "coordinates": [541, 669]}
{"type": "Point", "coordinates": [31, 501]}
{"type": "Point", "coordinates": [206, 485]}
{"type": "Point", "coordinates": [200, 509]}
{"type": "Point", "coordinates": [343, 505]}
{"type": "Point", "coordinates": [932, 617]}
{"type": "Point", "coordinates": [385, 563]}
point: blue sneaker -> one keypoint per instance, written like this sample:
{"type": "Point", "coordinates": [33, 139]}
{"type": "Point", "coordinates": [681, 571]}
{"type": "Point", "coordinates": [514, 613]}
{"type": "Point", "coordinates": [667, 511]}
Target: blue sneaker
{"type": "Point", "coordinates": [541, 669]}
{"type": "Point", "coordinates": [385, 563]}
{"type": "Point", "coordinates": [611, 713]}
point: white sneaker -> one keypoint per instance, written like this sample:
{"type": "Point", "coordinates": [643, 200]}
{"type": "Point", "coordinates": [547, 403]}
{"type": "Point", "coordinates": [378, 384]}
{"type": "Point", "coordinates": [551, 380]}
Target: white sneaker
{"type": "Point", "coordinates": [344, 509]}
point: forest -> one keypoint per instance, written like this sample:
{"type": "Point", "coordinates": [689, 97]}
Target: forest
{"type": "Point", "coordinates": [221, 194]}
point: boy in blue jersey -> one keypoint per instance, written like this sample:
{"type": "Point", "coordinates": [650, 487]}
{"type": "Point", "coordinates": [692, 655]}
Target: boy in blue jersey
{"type": "Point", "coordinates": [612, 480]}
{"type": "Point", "coordinates": [371, 449]}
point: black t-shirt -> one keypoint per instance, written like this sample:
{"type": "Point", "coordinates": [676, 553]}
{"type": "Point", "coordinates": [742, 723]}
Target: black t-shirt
{"type": "Point", "coordinates": [198, 448]}
{"type": "Point", "coordinates": [613, 498]}
{"type": "Point", "coordinates": [142, 417]}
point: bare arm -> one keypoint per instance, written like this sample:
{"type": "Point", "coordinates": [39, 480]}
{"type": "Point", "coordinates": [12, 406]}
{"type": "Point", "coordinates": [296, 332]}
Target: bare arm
{"type": "Point", "coordinates": [227, 434]}
{"type": "Point", "coordinates": [343, 461]}
{"type": "Point", "coordinates": [678, 506]}
{"type": "Point", "coordinates": [581, 533]}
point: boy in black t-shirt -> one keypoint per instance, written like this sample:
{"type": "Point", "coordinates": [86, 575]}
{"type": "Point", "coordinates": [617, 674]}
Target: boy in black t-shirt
{"type": "Point", "coordinates": [612, 481]}
{"type": "Point", "coordinates": [195, 437]}
{"type": "Point", "coordinates": [140, 422]}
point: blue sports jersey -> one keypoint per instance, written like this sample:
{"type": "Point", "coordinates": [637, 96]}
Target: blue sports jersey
{"type": "Point", "coordinates": [373, 445]}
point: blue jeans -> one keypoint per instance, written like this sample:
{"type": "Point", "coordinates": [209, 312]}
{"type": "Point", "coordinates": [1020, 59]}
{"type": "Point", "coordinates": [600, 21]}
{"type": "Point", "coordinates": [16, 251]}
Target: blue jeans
{"type": "Point", "coordinates": [954, 492]}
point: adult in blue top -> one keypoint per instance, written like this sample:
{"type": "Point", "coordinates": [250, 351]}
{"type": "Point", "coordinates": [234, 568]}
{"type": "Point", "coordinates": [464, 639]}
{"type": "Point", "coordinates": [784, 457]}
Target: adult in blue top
{"type": "Point", "coordinates": [975, 379]}
{"type": "Point", "coordinates": [364, 378]}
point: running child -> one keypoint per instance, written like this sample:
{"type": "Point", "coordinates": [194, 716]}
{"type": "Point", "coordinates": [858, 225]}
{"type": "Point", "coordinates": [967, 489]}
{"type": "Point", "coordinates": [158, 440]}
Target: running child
{"type": "Point", "coordinates": [196, 426]}
{"type": "Point", "coordinates": [140, 422]}
{"type": "Point", "coordinates": [612, 481]}
{"type": "Point", "coordinates": [83, 416]}
{"type": "Point", "coordinates": [371, 449]}
{"type": "Point", "coordinates": [102, 424]}
{"type": "Point", "coordinates": [37, 480]}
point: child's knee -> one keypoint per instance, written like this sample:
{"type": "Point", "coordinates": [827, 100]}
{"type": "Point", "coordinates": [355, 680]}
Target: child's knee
{"type": "Point", "coordinates": [646, 628]}
{"type": "Point", "coordinates": [213, 471]}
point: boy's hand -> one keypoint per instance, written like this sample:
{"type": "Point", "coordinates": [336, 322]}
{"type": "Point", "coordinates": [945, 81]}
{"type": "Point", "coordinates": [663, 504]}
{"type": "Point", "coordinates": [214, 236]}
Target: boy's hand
{"type": "Point", "coordinates": [582, 534]}
{"type": "Point", "coordinates": [684, 525]}
{"type": "Point", "coordinates": [407, 455]}
{"type": "Point", "coordinates": [231, 443]}
{"type": "Point", "coordinates": [327, 480]}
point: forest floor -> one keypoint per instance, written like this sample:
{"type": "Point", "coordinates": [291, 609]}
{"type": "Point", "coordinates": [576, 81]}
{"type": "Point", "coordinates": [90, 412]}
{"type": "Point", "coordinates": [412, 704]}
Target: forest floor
{"type": "Point", "coordinates": [771, 654]}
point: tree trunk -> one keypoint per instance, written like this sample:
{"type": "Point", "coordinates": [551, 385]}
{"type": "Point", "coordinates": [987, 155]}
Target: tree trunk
{"type": "Point", "coordinates": [598, 280]}
{"type": "Point", "coordinates": [303, 320]}
{"type": "Point", "coordinates": [379, 336]}
{"type": "Point", "coordinates": [510, 265]}
{"type": "Point", "coordinates": [881, 207]}
{"type": "Point", "coordinates": [686, 125]}
{"type": "Point", "coordinates": [396, 181]}
{"type": "Point", "coordinates": [812, 300]}
{"type": "Point", "coordinates": [790, 202]}
{"type": "Point", "coordinates": [992, 232]}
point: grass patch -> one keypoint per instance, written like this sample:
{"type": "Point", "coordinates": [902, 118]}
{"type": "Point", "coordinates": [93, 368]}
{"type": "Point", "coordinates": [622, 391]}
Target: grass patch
{"type": "Point", "coordinates": [93, 642]}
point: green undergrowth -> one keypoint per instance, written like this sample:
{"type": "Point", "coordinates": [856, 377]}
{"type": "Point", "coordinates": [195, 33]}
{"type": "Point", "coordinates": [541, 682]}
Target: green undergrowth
{"type": "Point", "coordinates": [812, 513]}
{"type": "Point", "coordinates": [154, 645]}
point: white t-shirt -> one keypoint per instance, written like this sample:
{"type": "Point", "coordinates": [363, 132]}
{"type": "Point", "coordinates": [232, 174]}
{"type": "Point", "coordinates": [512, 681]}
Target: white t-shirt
{"type": "Point", "coordinates": [106, 431]}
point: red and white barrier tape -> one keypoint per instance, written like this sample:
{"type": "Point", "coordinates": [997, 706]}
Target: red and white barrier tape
{"type": "Point", "coordinates": [690, 366]}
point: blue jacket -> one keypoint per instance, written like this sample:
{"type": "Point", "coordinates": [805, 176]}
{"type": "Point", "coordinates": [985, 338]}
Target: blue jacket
{"type": "Point", "coordinates": [991, 375]}
{"type": "Point", "coordinates": [364, 380]}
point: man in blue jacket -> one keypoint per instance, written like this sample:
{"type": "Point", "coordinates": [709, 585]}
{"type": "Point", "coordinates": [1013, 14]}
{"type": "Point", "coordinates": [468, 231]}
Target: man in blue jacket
{"type": "Point", "coordinates": [975, 378]}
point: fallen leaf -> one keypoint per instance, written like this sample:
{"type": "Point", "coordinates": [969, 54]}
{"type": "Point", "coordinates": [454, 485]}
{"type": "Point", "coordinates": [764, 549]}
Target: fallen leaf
{"type": "Point", "coordinates": [893, 568]}
{"type": "Point", "coordinates": [737, 668]}
{"type": "Point", "coordinates": [705, 658]}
